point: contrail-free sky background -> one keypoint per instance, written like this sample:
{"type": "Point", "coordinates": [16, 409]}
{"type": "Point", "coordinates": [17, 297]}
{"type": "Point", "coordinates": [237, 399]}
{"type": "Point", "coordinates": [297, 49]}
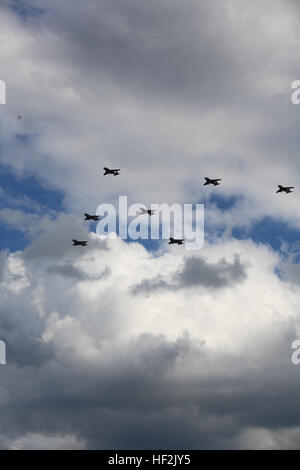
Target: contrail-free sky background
{"type": "Point", "coordinates": [121, 345]}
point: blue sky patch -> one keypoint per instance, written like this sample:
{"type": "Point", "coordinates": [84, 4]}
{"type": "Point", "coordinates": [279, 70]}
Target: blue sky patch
{"type": "Point", "coordinates": [224, 203]}
{"type": "Point", "coordinates": [269, 231]}
{"type": "Point", "coordinates": [12, 239]}
{"type": "Point", "coordinates": [28, 194]}
{"type": "Point", "coordinates": [29, 186]}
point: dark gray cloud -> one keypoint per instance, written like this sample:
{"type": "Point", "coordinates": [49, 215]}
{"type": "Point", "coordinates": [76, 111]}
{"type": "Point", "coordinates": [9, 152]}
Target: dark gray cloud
{"type": "Point", "coordinates": [68, 270]}
{"type": "Point", "coordinates": [56, 239]}
{"type": "Point", "coordinates": [71, 271]}
{"type": "Point", "coordinates": [166, 51]}
{"type": "Point", "coordinates": [290, 272]}
{"type": "Point", "coordinates": [197, 272]}
{"type": "Point", "coordinates": [151, 285]}
{"type": "Point", "coordinates": [154, 49]}
{"type": "Point", "coordinates": [139, 403]}
{"type": "Point", "coordinates": [21, 327]}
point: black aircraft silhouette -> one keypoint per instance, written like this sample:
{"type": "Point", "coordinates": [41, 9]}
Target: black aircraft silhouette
{"type": "Point", "coordinates": [78, 243]}
{"type": "Point", "coordinates": [173, 241]}
{"type": "Point", "coordinates": [146, 211]}
{"type": "Point", "coordinates": [215, 182]}
{"type": "Point", "coordinates": [285, 189]}
{"type": "Point", "coordinates": [91, 217]}
{"type": "Point", "coordinates": [115, 171]}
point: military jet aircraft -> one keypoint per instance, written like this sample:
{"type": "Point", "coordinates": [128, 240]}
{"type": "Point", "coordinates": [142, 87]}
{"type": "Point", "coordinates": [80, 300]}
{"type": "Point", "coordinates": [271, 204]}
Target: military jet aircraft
{"type": "Point", "coordinates": [174, 241]}
{"type": "Point", "coordinates": [79, 243]}
{"type": "Point", "coordinates": [215, 182]}
{"type": "Point", "coordinates": [285, 189]}
{"type": "Point", "coordinates": [91, 217]}
{"type": "Point", "coordinates": [146, 211]}
{"type": "Point", "coordinates": [108, 171]}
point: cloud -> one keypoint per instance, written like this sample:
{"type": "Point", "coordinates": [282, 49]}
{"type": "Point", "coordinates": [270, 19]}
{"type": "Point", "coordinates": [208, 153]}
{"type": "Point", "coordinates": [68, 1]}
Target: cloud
{"type": "Point", "coordinates": [91, 365]}
{"type": "Point", "coordinates": [68, 270]}
{"type": "Point", "coordinates": [25, 222]}
{"type": "Point", "coordinates": [197, 272]}
{"type": "Point", "coordinates": [40, 442]}
{"type": "Point", "coordinates": [135, 88]}
{"type": "Point", "coordinates": [56, 238]}
{"type": "Point", "coordinates": [289, 267]}
{"type": "Point", "coordinates": [3, 255]}
{"type": "Point", "coordinates": [263, 439]}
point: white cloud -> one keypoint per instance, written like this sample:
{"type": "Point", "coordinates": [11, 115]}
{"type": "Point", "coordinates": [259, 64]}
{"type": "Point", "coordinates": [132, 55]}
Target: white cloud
{"type": "Point", "coordinates": [40, 442]}
{"type": "Point", "coordinates": [217, 353]}
{"type": "Point", "coordinates": [87, 101]}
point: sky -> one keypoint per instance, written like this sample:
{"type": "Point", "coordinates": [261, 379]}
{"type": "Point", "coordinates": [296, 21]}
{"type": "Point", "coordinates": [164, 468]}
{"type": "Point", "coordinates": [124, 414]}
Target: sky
{"type": "Point", "coordinates": [131, 345]}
